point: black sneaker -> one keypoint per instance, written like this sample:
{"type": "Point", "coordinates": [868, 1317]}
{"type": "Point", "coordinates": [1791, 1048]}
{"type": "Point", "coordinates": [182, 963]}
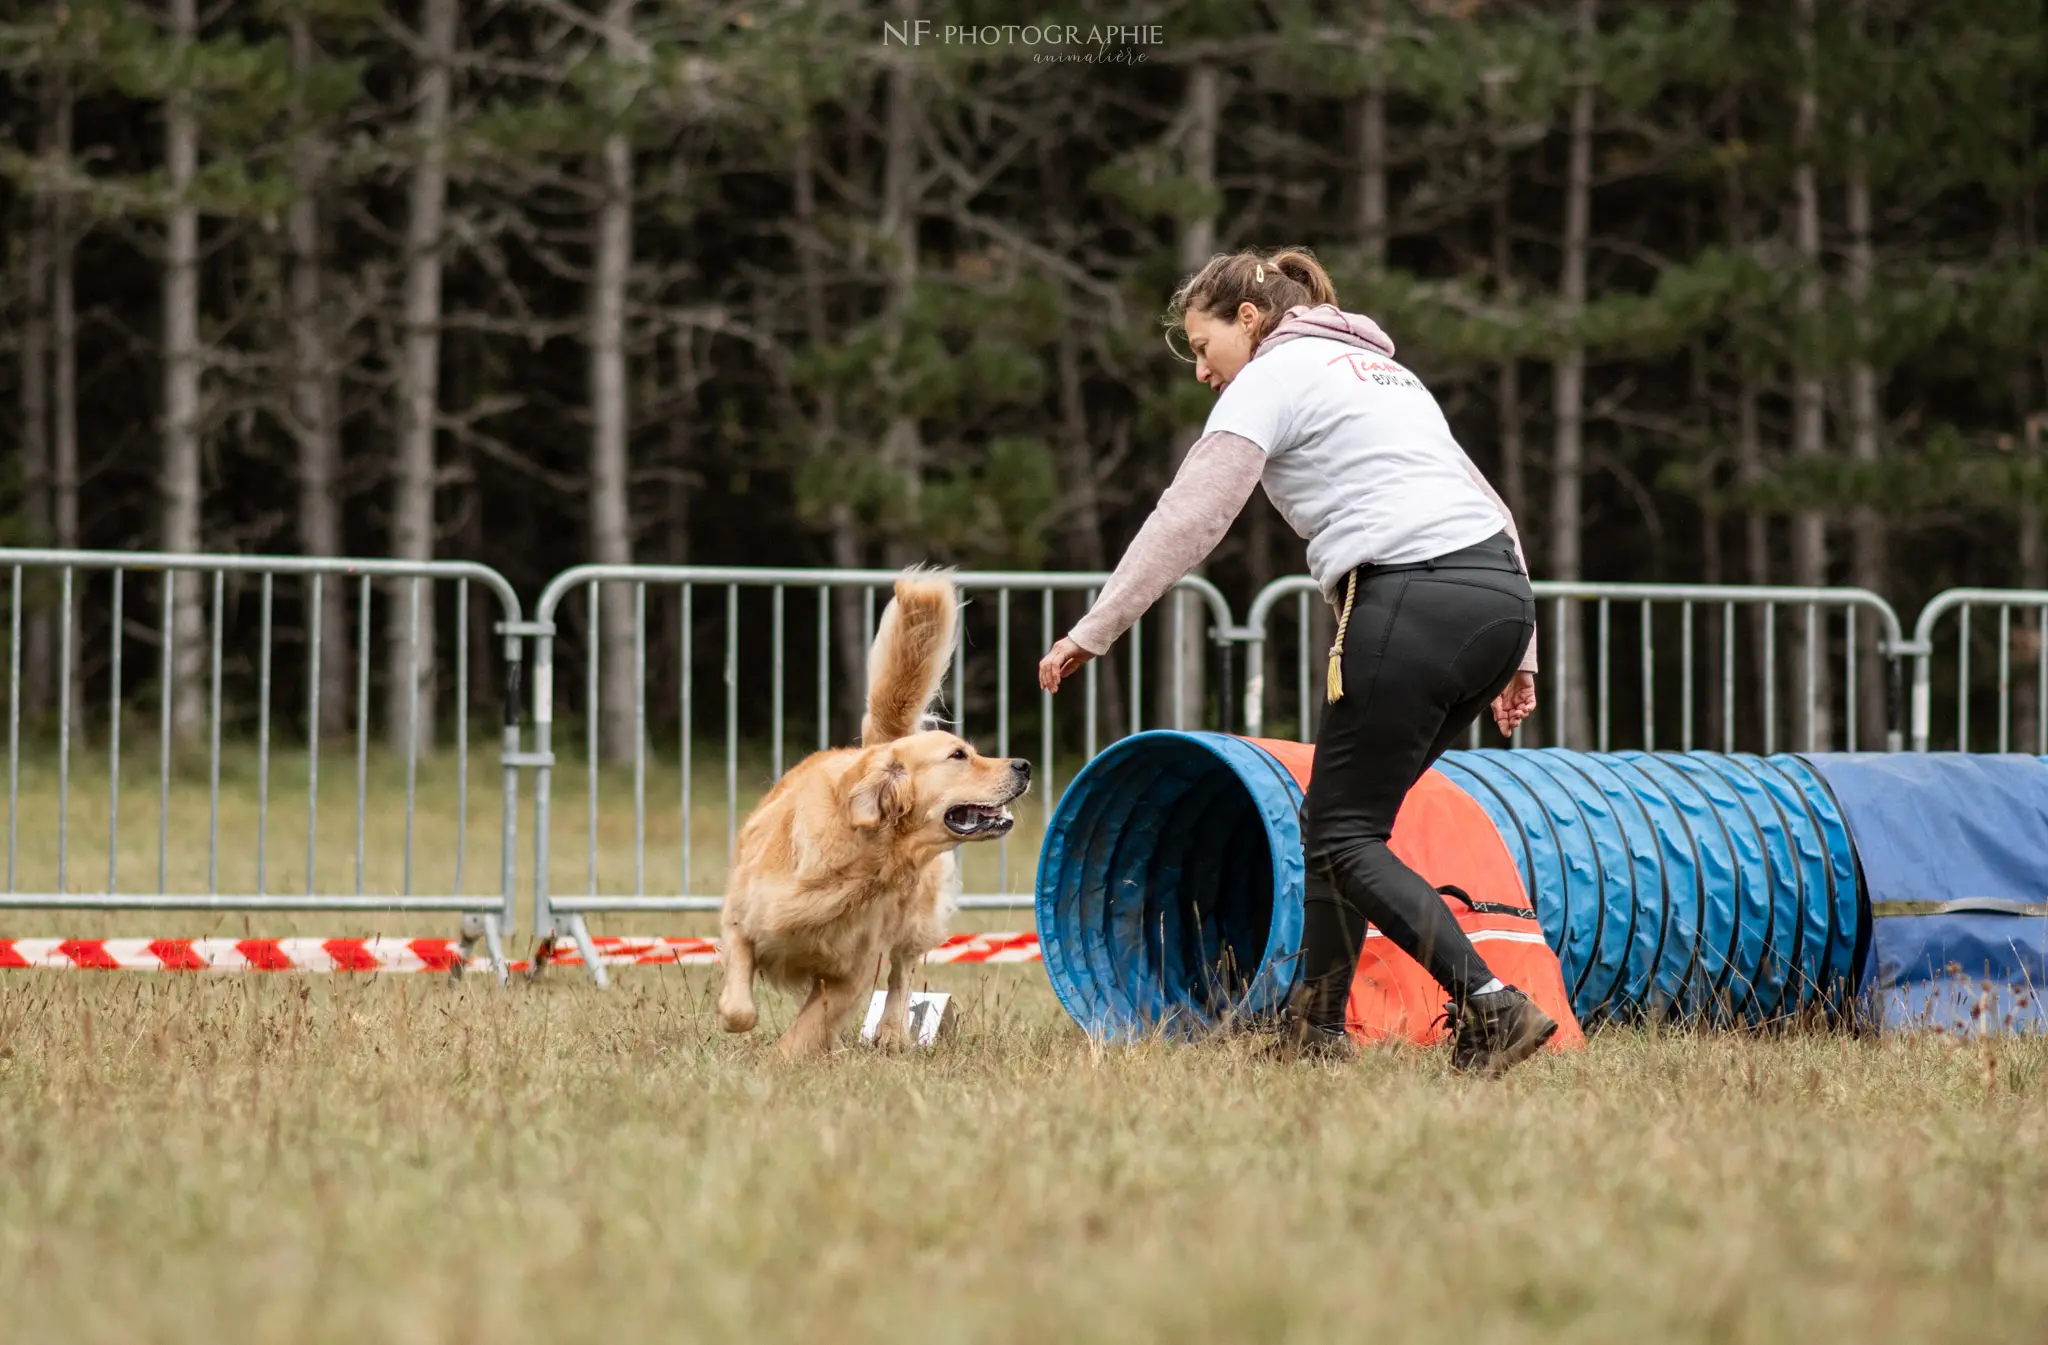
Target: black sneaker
{"type": "Point", "coordinates": [1295, 1037]}
{"type": "Point", "coordinates": [1497, 1031]}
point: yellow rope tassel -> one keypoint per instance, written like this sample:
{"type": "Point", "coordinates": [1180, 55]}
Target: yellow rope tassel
{"type": "Point", "coordinates": [1337, 649]}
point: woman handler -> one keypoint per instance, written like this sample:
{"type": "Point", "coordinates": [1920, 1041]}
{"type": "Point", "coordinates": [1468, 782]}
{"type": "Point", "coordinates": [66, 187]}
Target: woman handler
{"type": "Point", "coordinates": [1436, 619]}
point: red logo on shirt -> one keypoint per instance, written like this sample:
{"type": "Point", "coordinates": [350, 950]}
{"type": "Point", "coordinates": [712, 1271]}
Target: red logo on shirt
{"type": "Point", "coordinates": [1368, 369]}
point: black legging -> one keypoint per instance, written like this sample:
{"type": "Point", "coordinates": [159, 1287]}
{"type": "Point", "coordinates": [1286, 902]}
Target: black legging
{"type": "Point", "coordinates": [1428, 647]}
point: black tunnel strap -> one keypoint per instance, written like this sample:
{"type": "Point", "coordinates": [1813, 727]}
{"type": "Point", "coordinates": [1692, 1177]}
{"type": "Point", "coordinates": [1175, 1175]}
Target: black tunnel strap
{"type": "Point", "coordinates": [1486, 907]}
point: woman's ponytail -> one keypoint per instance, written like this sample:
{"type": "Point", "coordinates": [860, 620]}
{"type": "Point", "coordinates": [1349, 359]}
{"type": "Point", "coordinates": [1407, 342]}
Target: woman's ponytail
{"type": "Point", "coordinates": [1301, 266]}
{"type": "Point", "coordinates": [1272, 284]}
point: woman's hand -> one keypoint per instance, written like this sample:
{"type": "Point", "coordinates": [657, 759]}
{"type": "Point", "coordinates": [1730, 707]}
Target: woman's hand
{"type": "Point", "coordinates": [1515, 704]}
{"type": "Point", "coordinates": [1062, 660]}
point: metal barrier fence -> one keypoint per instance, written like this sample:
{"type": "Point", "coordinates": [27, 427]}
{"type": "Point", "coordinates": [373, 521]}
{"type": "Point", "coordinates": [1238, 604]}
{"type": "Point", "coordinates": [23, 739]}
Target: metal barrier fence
{"type": "Point", "coordinates": [235, 655]}
{"type": "Point", "coordinates": [1673, 638]}
{"type": "Point", "coordinates": [794, 641]}
{"type": "Point", "coordinates": [219, 624]}
{"type": "Point", "coordinates": [2020, 704]}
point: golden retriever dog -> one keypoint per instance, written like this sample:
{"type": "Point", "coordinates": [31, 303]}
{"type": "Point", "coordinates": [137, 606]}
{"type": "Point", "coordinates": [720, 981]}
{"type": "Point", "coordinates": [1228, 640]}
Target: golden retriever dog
{"type": "Point", "coordinates": [851, 855]}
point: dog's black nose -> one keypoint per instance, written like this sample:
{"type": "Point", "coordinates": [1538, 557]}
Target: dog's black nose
{"type": "Point", "coordinates": [1021, 767]}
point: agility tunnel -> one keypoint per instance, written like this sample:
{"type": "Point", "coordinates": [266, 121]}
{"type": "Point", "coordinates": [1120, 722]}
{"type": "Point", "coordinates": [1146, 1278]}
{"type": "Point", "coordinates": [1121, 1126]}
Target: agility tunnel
{"type": "Point", "coordinates": [1954, 852]}
{"type": "Point", "coordinates": [1684, 887]}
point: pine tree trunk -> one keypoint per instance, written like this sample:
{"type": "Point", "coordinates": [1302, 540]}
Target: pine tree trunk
{"type": "Point", "coordinates": [1868, 563]}
{"type": "Point", "coordinates": [1568, 397]}
{"type": "Point", "coordinates": [1182, 678]}
{"type": "Point", "coordinates": [1084, 526]}
{"type": "Point", "coordinates": [1372, 140]}
{"type": "Point", "coordinates": [1812, 710]}
{"type": "Point", "coordinates": [1749, 474]}
{"type": "Point", "coordinates": [611, 528]}
{"type": "Point", "coordinates": [64, 372]}
{"type": "Point", "coordinates": [1712, 568]}
{"type": "Point", "coordinates": [39, 591]}
{"type": "Point", "coordinates": [849, 634]}
{"type": "Point", "coordinates": [2028, 732]}
{"type": "Point", "coordinates": [182, 370]}
{"type": "Point", "coordinates": [849, 651]}
{"type": "Point", "coordinates": [1514, 484]}
{"type": "Point", "coordinates": [675, 531]}
{"type": "Point", "coordinates": [1698, 367]}
{"type": "Point", "coordinates": [316, 404]}
{"type": "Point", "coordinates": [902, 443]}
{"type": "Point", "coordinates": [468, 377]}
{"type": "Point", "coordinates": [1756, 536]}
{"type": "Point", "coordinates": [409, 650]}
{"type": "Point", "coordinates": [672, 528]}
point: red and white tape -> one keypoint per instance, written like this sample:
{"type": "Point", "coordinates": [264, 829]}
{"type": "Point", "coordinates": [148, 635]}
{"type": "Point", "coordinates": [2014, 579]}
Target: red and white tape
{"type": "Point", "coordinates": [404, 955]}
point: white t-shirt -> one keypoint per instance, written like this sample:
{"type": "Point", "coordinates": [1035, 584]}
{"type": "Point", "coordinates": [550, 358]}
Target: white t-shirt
{"type": "Point", "coordinates": [1359, 458]}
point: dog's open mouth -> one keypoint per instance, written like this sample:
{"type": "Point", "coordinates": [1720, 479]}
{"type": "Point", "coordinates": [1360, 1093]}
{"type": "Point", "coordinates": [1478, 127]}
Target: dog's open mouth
{"type": "Point", "coordinates": [975, 820]}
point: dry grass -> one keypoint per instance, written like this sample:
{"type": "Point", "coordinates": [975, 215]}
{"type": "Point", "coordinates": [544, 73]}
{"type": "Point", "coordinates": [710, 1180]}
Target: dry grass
{"type": "Point", "coordinates": [327, 1159]}
{"type": "Point", "coordinates": [226, 1159]}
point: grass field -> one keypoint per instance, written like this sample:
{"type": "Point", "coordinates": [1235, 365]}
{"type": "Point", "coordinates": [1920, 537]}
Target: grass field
{"type": "Point", "coordinates": [326, 1159]}
{"type": "Point", "coordinates": [311, 1159]}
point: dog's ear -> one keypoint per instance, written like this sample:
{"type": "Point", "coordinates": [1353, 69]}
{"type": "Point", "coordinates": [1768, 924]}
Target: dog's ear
{"type": "Point", "coordinates": [881, 796]}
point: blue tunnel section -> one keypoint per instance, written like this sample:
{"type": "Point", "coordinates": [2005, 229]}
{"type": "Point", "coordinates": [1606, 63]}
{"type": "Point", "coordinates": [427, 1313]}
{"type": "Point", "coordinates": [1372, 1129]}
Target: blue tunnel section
{"type": "Point", "coordinates": [1169, 885]}
{"type": "Point", "coordinates": [1954, 853]}
{"type": "Point", "coordinates": [1945, 826]}
{"type": "Point", "coordinates": [1681, 886]}
{"type": "Point", "coordinates": [1693, 887]}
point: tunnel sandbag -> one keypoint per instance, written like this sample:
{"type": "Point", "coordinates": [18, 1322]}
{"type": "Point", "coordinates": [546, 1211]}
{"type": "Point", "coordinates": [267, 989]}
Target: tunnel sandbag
{"type": "Point", "coordinates": [1933, 827]}
{"type": "Point", "coordinates": [1954, 856]}
{"type": "Point", "coordinates": [1964, 973]}
{"type": "Point", "coordinates": [1680, 886]}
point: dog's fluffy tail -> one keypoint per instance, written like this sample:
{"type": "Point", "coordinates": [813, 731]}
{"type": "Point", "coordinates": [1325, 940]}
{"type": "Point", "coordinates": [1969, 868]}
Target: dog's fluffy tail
{"type": "Point", "coordinates": [913, 646]}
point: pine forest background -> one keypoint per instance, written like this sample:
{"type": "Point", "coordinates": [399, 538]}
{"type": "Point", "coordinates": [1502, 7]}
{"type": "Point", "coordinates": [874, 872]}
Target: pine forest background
{"type": "Point", "coordinates": [1722, 292]}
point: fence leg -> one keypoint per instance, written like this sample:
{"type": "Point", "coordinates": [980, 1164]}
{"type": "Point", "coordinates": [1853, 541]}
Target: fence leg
{"type": "Point", "coordinates": [1226, 678]}
{"type": "Point", "coordinates": [1923, 697]}
{"type": "Point", "coordinates": [581, 933]}
{"type": "Point", "coordinates": [486, 928]}
{"type": "Point", "coordinates": [1895, 704]}
{"type": "Point", "coordinates": [494, 941]}
{"type": "Point", "coordinates": [472, 929]}
{"type": "Point", "coordinates": [1254, 711]}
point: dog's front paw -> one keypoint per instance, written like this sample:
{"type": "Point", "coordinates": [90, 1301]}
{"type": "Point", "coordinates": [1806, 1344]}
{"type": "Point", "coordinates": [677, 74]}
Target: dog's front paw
{"type": "Point", "coordinates": [802, 1046]}
{"type": "Point", "coordinates": [737, 1018]}
{"type": "Point", "coordinates": [893, 1034]}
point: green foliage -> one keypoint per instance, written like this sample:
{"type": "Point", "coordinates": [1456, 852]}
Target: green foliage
{"type": "Point", "coordinates": [1649, 50]}
{"type": "Point", "coordinates": [1049, 201]}
{"type": "Point", "coordinates": [1145, 181]}
{"type": "Point", "coordinates": [990, 511]}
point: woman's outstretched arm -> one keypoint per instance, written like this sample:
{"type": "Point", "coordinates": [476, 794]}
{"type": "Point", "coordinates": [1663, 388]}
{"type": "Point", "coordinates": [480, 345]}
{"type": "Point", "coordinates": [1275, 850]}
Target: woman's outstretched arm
{"type": "Point", "coordinates": [1218, 475]}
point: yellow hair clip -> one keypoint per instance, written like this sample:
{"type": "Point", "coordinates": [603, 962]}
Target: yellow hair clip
{"type": "Point", "coordinates": [1259, 275]}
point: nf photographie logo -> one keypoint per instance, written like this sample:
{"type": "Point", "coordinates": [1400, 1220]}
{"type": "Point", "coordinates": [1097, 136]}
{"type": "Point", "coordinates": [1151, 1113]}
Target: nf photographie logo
{"type": "Point", "coordinates": [1095, 43]}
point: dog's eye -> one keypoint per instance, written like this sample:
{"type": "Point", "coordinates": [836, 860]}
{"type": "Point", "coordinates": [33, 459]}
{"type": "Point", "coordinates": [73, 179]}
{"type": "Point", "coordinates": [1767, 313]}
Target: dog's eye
{"type": "Point", "coordinates": [959, 754]}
